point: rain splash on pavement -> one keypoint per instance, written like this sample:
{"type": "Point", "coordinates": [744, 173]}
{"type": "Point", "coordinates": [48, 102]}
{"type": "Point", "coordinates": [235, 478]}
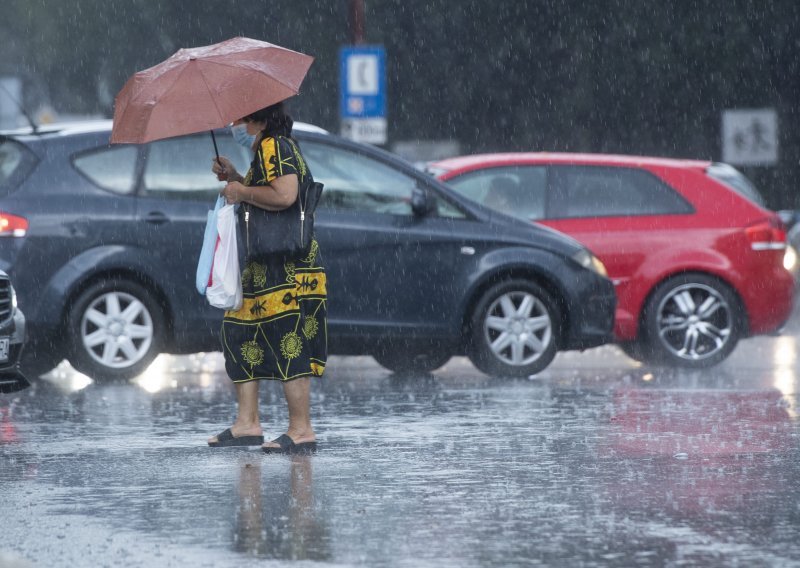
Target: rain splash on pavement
{"type": "Point", "coordinates": [596, 462]}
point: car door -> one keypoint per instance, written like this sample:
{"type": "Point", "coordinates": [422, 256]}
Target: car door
{"type": "Point", "coordinates": [176, 191]}
{"type": "Point", "coordinates": [389, 271]}
{"type": "Point", "coordinates": [620, 213]}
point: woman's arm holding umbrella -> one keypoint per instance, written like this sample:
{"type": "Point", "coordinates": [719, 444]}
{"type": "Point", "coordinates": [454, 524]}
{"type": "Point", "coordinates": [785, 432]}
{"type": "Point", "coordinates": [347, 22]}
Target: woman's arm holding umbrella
{"type": "Point", "coordinates": [225, 170]}
{"type": "Point", "coordinates": [279, 194]}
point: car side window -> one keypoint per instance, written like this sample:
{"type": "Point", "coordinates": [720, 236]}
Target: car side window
{"type": "Point", "coordinates": [112, 168]}
{"type": "Point", "coordinates": [16, 163]}
{"type": "Point", "coordinates": [734, 179]}
{"type": "Point", "coordinates": [602, 191]}
{"type": "Point", "coordinates": [354, 182]}
{"type": "Point", "coordinates": [180, 168]}
{"type": "Point", "coordinates": [514, 190]}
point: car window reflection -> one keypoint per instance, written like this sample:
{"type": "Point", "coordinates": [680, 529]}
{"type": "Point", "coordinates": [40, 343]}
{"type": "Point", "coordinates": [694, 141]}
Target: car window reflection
{"type": "Point", "coordinates": [358, 183]}
{"type": "Point", "coordinates": [180, 168]}
{"type": "Point", "coordinates": [112, 168]}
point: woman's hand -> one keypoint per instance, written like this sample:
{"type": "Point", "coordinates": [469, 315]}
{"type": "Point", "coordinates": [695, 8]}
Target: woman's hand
{"type": "Point", "coordinates": [224, 169]}
{"type": "Point", "coordinates": [234, 192]}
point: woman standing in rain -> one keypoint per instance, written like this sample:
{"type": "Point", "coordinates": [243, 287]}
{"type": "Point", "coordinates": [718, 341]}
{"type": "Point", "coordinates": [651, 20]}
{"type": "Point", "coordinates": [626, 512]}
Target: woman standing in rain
{"type": "Point", "coordinates": [280, 332]}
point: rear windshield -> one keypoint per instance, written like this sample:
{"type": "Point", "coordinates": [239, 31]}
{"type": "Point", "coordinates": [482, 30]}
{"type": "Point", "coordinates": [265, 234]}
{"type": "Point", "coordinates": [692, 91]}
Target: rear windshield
{"type": "Point", "coordinates": [734, 179]}
{"type": "Point", "coordinates": [16, 162]}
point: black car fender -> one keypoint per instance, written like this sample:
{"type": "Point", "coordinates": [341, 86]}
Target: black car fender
{"type": "Point", "coordinates": [541, 266]}
{"type": "Point", "coordinates": [121, 260]}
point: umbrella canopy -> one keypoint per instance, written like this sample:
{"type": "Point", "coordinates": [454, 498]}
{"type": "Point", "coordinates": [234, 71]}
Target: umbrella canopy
{"type": "Point", "coordinates": [203, 88]}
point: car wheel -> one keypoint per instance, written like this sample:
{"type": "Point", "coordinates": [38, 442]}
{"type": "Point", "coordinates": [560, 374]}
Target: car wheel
{"type": "Point", "coordinates": [406, 363]}
{"type": "Point", "coordinates": [116, 330]}
{"type": "Point", "coordinates": [514, 330]}
{"type": "Point", "coordinates": [692, 321]}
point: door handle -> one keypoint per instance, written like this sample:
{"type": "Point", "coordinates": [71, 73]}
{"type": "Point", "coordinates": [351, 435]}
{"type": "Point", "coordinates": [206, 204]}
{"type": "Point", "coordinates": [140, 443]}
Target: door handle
{"type": "Point", "coordinates": [156, 218]}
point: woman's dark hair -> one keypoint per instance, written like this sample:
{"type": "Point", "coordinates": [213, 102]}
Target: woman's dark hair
{"type": "Point", "coordinates": [278, 123]}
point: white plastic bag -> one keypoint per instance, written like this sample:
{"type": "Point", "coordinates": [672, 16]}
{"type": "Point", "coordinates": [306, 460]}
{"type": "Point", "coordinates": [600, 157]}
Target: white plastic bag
{"type": "Point", "coordinates": [225, 290]}
{"type": "Point", "coordinates": [210, 238]}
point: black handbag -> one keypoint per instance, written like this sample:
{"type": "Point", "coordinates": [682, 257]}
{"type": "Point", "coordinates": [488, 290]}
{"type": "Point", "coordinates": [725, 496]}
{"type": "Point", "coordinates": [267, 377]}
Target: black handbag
{"type": "Point", "coordinates": [285, 233]}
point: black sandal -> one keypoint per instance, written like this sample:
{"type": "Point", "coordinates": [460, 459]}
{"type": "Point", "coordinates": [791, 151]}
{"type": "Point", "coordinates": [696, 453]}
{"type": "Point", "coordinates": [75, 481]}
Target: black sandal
{"type": "Point", "coordinates": [227, 439]}
{"type": "Point", "coordinates": [287, 446]}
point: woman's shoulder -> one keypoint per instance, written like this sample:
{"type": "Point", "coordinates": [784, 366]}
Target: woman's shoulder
{"type": "Point", "coordinates": [270, 143]}
{"type": "Point", "coordinates": [267, 142]}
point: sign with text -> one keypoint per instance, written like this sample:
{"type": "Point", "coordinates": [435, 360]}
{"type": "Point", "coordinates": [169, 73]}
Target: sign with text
{"type": "Point", "coordinates": [750, 137]}
{"type": "Point", "coordinates": [369, 130]}
{"type": "Point", "coordinates": [362, 104]}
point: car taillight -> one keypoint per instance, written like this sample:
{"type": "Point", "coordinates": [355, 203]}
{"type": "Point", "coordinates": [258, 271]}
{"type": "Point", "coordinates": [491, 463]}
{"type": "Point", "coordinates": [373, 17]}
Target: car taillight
{"type": "Point", "coordinates": [12, 225]}
{"type": "Point", "coordinates": [767, 235]}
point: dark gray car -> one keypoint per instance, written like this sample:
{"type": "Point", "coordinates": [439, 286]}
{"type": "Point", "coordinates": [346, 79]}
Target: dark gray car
{"type": "Point", "coordinates": [102, 242]}
{"type": "Point", "coordinates": [12, 338]}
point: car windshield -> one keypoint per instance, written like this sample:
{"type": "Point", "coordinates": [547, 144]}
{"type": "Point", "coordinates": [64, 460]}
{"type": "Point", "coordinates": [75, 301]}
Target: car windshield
{"type": "Point", "coordinates": [734, 179]}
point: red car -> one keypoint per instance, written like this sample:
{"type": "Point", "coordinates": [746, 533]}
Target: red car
{"type": "Point", "coordinates": [696, 258]}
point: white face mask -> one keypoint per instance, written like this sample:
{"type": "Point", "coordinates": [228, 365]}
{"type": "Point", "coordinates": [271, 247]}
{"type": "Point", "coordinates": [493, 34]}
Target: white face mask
{"type": "Point", "coordinates": [239, 133]}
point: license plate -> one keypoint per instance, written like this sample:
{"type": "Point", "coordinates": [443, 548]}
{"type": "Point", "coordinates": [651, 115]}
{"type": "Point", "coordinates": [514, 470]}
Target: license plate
{"type": "Point", "coordinates": [4, 342]}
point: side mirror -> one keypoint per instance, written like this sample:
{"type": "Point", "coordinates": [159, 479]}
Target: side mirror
{"type": "Point", "coordinates": [421, 203]}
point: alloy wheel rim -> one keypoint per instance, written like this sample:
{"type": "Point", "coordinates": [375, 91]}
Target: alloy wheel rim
{"type": "Point", "coordinates": [117, 330]}
{"type": "Point", "coordinates": [518, 328]}
{"type": "Point", "coordinates": [694, 322]}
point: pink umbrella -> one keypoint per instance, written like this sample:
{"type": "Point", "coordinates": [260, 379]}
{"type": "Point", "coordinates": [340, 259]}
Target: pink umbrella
{"type": "Point", "coordinates": [204, 88]}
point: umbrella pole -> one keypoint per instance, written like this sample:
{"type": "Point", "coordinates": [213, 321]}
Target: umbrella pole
{"type": "Point", "coordinates": [216, 151]}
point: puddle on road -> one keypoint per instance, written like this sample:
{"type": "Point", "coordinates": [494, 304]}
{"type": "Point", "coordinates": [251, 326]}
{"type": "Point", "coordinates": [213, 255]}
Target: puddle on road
{"type": "Point", "coordinates": [618, 464]}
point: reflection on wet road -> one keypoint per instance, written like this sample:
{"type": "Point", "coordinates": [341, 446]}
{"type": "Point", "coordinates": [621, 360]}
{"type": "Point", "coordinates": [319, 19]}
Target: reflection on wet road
{"type": "Point", "coordinates": [596, 462]}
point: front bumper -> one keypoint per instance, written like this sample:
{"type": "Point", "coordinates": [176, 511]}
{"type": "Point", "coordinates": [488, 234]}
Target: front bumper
{"type": "Point", "coordinates": [590, 315]}
{"type": "Point", "coordinates": [11, 378]}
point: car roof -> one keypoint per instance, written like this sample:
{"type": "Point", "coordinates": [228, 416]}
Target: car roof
{"type": "Point", "coordinates": [104, 125]}
{"type": "Point", "coordinates": [515, 158]}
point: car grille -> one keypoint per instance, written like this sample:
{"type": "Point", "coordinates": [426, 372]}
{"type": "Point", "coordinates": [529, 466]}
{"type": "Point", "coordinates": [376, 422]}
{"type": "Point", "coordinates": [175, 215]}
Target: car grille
{"type": "Point", "coordinates": [5, 300]}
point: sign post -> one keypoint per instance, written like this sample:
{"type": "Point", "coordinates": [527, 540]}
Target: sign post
{"type": "Point", "coordinates": [362, 104]}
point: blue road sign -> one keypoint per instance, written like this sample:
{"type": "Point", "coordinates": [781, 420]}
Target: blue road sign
{"type": "Point", "coordinates": [362, 81]}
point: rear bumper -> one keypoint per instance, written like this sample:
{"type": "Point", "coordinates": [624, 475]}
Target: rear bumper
{"type": "Point", "coordinates": [770, 303]}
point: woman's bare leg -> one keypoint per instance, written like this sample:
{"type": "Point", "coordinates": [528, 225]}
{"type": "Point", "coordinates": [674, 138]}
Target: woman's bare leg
{"type": "Point", "coordinates": [247, 422]}
{"type": "Point", "coordinates": [297, 393]}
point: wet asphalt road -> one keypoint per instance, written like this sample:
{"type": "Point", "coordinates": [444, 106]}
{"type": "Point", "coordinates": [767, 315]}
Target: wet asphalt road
{"type": "Point", "coordinates": [596, 462]}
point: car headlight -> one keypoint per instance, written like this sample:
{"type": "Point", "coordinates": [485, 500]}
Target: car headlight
{"type": "Point", "coordinates": [13, 301]}
{"type": "Point", "coordinates": [590, 262]}
{"type": "Point", "coordinates": [790, 259]}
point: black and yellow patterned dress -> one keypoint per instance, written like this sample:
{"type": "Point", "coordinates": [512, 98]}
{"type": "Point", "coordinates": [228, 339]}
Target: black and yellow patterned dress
{"type": "Point", "coordinates": [280, 332]}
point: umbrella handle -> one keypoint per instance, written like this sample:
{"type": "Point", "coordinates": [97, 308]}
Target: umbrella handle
{"type": "Point", "coordinates": [216, 150]}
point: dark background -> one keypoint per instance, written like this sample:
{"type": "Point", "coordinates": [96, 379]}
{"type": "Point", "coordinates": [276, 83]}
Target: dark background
{"type": "Point", "coordinates": [628, 76]}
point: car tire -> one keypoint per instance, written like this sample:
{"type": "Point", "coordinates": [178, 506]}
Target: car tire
{"type": "Point", "coordinates": [116, 330]}
{"type": "Point", "coordinates": [514, 330]}
{"type": "Point", "coordinates": [692, 321]}
{"type": "Point", "coordinates": [405, 362]}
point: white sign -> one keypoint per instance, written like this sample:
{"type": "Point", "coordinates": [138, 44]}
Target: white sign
{"type": "Point", "coordinates": [750, 137]}
{"type": "Point", "coordinates": [369, 130]}
{"type": "Point", "coordinates": [363, 77]}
